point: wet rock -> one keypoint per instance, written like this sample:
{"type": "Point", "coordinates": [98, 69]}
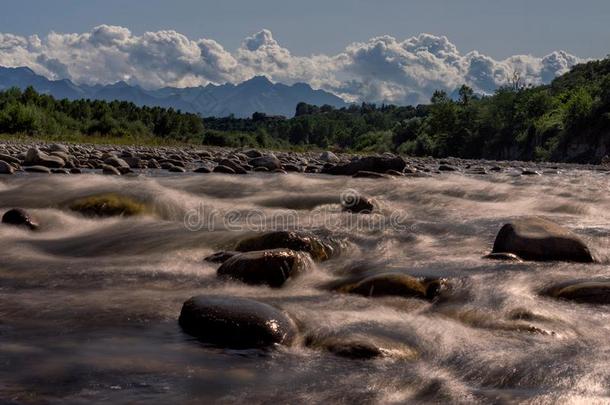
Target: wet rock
{"type": "Point", "coordinates": [203, 169]}
{"type": "Point", "coordinates": [299, 241]}
{"type": "Point", "coordinates": [528, 172]}
{"type": "Point", "coordinates": [6, 168]}
{"type": "Point", "coordinates": [328, 157]}
{"type": "Point", "coordinates": [503, 256]}
{"type": "Point", "coordinates": [268, 267]}
{"type": "Point", "coordinates": [534, 238]}
{"type": "Point", "coordinates": [379, 164]}
{"type": "Point", "coordinates": [236, 323]}
{"type": "Point", "coordinates": [221, 257]}
{"type": "Point", "coordinates": [75, 171]}
{"type": "Point", "coordinates": [19, 217]}
{"type": "Point", "coordinates": [581, 291]}
{"type": "Point", "coordinates": [391, 284]}
{"type": "Point", "coordinates": [223, 169]}
{"type": "Point", "coordinates": [270, 162]}
{"type": "Point", "coordinates": [109, 205]}
{"type": "Point", "coordinates": [359, 347]}
{"type": "Point", "coordinates": [357, 203]}
{"type": "Point", "coordinates": [261, 169]}
{"type": "Point", "coordinates": [371, 175]}
{"type": "Point", "coordinates": [37, 169]}
{"type": "Point", "coordinates": [110, 170]}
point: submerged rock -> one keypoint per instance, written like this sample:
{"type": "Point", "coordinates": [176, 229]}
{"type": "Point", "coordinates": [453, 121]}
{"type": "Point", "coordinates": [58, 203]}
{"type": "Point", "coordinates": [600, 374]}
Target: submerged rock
{"type": "Point", "coordinates": [582, 291]}
{"type": "Point", "coordinates": [299, 241]}
{"type": "Point", "coordinates": [357, 203]}
{"type": "Point", "coordinates": [19, 217]}
{"type": "Point", "coordinates": [359, 347]}
{"type": "Point", "coordinates": [538, 239]}
{"type": "Point", "coordinates": [108, 205]}
{"type": "Point", "coordinates": [503, 256]}
{"type": "Point", "coordinates": [221, 257]}
{"type": "Point", "coordinates": [391, 284]}
{"type": "Point", "coordinates": [236, 323]}
{"type": "Point", "coordinates": [269, 267]}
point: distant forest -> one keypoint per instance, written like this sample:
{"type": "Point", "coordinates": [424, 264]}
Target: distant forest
{"type": "Point", "coordinates": [568, 120]}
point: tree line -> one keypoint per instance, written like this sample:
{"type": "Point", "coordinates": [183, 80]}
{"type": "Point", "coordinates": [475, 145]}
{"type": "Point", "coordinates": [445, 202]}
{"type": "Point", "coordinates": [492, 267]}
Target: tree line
{"type": "Point", "coordinates": [567, 120]}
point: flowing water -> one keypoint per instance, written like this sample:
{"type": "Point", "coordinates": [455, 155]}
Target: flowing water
{"type": "Point", "coordinates": [89, 307]}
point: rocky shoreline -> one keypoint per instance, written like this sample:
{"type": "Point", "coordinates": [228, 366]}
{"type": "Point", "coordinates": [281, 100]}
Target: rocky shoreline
{"type": "Point", "coordinates": [121, 160]}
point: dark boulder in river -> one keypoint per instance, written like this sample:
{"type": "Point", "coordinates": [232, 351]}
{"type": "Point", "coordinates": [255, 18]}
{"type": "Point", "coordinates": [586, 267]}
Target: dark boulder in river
{"type": "Point", "coordinates": [378, 164]}
{"type": "Point", "coordinates": [268, 267]}
{"type": "Point", "coordinates": [19, 217]}
{"type": "Point", "coordinates": [6, 168]}
{"type": "Point", "coordinates": [391, 284]}
{"type": "Point", "coordinates": [534, 238]}
{"type": "Point", "coordinates": [236, 323]}
{"type": "Point", "coordinates": [582, 291]}
{"type": "Point", "coordinates": [300, 241]}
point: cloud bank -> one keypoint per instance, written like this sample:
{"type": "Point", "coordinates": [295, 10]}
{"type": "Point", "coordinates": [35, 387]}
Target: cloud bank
{"type": "Point", "coordinates": [380, 69]}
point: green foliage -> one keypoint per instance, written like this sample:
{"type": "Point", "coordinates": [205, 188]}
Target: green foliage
{"type": "Point", "coordinates": [566, 120]}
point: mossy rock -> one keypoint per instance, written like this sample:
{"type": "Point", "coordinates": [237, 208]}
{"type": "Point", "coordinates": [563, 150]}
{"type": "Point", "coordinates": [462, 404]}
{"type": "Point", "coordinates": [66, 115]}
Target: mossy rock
{"type": "Point", "coordinates": [109, 205]}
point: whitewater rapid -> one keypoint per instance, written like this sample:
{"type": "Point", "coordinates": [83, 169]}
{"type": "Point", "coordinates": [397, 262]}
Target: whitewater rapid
{"type": "Point", "coordinates": [89, 306]}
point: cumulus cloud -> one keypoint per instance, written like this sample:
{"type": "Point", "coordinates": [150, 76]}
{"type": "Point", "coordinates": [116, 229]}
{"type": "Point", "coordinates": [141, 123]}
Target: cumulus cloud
{"type": "Point", "coordinates": [381, 69]}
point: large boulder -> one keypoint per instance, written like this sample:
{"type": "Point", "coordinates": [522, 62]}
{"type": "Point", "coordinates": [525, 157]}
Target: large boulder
{"type": "Point", "coordinates": [582, 291]}
{"type": "Point", "coordinates": [268, 267]}
{"type": "Point", "coordinates": [236, 323]}
{"type": "Point", "coordinates": [391, 284]}
{"type": "Point", "coordinates": [377, 164]}
{"type": "Point", "coordinates": [534, 238]}
{"type": "Point", "coordinates": [19, 217]}
{"type": "Point", "coordinates": [299, 241]}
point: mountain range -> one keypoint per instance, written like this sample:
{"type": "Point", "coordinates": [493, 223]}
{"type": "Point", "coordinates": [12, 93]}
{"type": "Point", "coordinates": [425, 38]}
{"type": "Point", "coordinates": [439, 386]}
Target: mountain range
{"type": "Point", "coordinates": [258, 94]}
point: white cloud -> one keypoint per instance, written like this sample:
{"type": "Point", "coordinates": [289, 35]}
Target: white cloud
{"type": "Point", "coordinates": [380, 69]}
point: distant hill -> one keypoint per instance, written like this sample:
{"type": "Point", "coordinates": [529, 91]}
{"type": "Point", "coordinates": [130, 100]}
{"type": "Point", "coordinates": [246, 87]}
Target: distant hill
{"type": "Point", "coordinates": [242, 100]}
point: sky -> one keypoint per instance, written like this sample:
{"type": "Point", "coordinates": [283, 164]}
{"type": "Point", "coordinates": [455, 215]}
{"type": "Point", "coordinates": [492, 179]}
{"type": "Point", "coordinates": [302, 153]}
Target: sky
{"type": "Point", "coordinates": [331, 44]}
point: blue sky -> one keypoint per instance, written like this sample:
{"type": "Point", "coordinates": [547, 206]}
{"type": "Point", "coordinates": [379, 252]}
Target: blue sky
{"type": "Point", "coordinates": [375, 50]}
{"type": "Point", "coordinates": [496, 28]}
